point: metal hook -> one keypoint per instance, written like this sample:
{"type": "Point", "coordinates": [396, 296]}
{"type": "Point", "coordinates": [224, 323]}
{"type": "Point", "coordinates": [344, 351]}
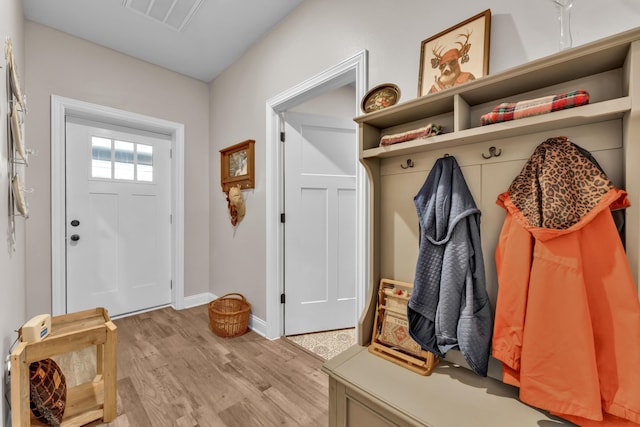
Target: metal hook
{"type": "Point", "coordinates": [409, 164]}
{"type": "Point", "coordinates": [493, 152]}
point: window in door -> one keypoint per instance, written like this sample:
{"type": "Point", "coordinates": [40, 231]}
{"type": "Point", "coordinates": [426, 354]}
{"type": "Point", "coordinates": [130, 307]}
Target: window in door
{"type": "Point", "coordinates": [121, 160]}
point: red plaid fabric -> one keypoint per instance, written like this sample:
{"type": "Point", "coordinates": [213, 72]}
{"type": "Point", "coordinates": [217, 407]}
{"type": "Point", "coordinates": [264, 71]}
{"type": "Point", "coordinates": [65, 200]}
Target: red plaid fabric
{"type": "Point", "coordinates": [533, 107]}
{"type": "Point", "coordinates": [423, 132]}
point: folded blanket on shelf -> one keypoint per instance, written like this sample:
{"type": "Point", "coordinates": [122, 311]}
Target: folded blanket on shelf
{"type": "Point", "coordinates": [423, 132]}
{"type": "Point", "coordinates": [532, 107]}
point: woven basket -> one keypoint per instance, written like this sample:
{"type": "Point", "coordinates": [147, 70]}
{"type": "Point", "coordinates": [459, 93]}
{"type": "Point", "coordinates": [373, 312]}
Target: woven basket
{"type": "Point", "coordinates": [229, 317]}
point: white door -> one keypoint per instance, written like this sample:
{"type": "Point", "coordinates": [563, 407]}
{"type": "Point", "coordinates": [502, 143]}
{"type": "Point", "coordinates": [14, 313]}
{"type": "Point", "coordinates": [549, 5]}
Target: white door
{"type": "Point", "coordinates": [118, 218]}
{"type": "Point", "coordinates": [320, 215]}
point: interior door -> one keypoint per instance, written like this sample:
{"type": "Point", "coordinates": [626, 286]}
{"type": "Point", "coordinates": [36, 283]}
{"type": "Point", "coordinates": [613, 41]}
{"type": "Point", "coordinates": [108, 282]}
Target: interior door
{"type": "Point", "coordinates": [320, 157]}
{"type": "Point", "coordinates": [118, 218]}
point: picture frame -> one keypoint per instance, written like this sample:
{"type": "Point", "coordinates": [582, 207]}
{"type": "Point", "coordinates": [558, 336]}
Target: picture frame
{"type": "Point", "coordinates": [456, 55]}
{"type": "Point", "coordinates": [379, 97]}
{"type": "Point", "coordinates": [237, 164]}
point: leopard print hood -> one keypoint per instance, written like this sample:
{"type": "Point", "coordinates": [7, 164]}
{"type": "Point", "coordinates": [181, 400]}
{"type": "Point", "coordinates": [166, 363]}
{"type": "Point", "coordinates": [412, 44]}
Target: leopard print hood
{"type": "Point", "coordinates": [559, 185]}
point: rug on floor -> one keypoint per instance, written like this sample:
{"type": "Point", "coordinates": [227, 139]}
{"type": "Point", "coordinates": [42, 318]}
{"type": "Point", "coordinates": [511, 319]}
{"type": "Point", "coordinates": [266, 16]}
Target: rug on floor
{"type": "Point", "coordinates": [326, 344]}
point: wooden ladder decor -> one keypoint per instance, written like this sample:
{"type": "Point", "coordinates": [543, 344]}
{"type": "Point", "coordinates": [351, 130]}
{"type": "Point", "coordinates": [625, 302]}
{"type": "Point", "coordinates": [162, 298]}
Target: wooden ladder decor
{"type": "Point", "coordinates": [391, 339]}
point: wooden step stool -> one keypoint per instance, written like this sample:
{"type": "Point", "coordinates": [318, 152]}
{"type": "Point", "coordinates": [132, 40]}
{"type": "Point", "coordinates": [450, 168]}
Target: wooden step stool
{"type": "Point", "coordinates": [86, 402]}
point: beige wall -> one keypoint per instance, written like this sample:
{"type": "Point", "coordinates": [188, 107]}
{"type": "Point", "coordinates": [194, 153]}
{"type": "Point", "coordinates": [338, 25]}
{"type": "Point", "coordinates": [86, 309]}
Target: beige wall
{"type": "Point", "coordinates": [320, 34]}
{"type": "Point", "coordinates": [12, 264]}
{"type": "Point", "coordinates": [337, 103]}
{"type": "Point", "coordinates": [59, 64]}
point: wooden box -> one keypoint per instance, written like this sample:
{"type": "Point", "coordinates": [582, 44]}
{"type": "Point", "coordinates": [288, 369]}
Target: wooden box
{"type": "Point", "coordinates": [390, 339]}
{"type": "Point", "coordinates": [86, 402]}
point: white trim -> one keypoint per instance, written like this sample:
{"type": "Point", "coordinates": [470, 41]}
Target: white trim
{"type": "Point", "coordinates": [60, 108]}
{"type": "Point", "coordinates": [354, 69]}
{"type": "Point", "coordinates": [259, 326]}
{"type": "Point", "coordinates": [197, 300]}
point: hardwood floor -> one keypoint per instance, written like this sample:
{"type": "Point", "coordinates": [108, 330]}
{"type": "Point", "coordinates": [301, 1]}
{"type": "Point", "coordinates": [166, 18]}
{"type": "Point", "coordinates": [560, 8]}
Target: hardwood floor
{"type": "Point", "coordinates": [173, 371]}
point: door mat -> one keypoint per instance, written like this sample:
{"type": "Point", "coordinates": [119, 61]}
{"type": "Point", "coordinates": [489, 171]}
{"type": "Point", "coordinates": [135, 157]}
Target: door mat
{"type": "Point", "coordinates": [327, 344]}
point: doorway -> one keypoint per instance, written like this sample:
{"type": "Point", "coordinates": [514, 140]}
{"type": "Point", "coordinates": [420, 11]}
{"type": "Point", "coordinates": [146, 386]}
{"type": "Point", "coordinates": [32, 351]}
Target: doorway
{"type": "Point", "coordinates": [118, 218]}
{"type": "Point", "coordinates": [352, 71]}
{"type": "Point", "coordinates": [172, 132]}
{"type": "Point", "coordinates": [320, 161]}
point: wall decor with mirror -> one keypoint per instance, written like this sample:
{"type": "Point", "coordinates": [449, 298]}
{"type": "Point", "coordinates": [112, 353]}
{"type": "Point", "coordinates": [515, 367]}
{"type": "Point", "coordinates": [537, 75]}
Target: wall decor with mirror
{"type": "Point", "coordinates": [237, 166]}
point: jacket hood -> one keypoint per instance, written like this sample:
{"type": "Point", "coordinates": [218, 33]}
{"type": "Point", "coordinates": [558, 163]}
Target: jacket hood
{"type": "Point", "coordinates": [560, 189]}
{"type": "Point", "coordinates": [443, 201]}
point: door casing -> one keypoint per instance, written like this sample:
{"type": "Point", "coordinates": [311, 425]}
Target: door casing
{"type": "Point", "coordinates": [60, 108]}
{"type": "Point", "coordinates": [353, 70]}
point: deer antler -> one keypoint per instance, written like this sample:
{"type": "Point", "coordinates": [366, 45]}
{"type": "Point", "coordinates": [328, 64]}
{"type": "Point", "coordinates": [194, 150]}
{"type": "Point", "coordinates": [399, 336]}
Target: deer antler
{"type": "Point", "coordinates": [464, 47]}
{"type": "Point", "coordinates": [437, 56]}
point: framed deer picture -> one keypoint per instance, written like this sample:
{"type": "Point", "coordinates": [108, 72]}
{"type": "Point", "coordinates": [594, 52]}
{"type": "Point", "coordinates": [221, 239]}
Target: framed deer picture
{"type": "Point", "coordinates": [455, 56]}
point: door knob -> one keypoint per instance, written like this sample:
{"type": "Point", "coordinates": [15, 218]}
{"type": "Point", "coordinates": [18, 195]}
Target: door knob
{"type": "Point", "coordinates": [75, 237]}
{"type": "Point", "coordinates": [75, 223]}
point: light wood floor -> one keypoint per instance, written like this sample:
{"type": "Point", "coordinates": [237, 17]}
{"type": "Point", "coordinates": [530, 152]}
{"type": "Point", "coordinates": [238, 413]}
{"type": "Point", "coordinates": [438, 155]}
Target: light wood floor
{"type": "Point", "coordinates": [173, 371]}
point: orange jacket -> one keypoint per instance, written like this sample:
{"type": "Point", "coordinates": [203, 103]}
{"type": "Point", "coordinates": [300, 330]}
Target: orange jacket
{"type": "Point", "coordinates": [567, 322]}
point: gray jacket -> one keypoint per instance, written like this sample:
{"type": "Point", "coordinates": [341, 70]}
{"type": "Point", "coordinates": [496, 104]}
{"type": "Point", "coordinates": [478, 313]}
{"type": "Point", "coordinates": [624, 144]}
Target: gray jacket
{"type": "Point", "coordinates": [449, 307]}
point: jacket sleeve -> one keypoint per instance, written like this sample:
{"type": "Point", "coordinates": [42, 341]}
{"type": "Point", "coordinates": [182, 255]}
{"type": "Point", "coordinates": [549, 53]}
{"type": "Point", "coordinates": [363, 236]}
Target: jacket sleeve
{"type": "Point", "coordinates": [513, 265]}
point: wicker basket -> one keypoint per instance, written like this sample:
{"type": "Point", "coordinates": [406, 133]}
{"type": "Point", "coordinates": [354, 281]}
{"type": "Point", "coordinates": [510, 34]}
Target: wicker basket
{"type": "Point", "coordinates": [229, 317]}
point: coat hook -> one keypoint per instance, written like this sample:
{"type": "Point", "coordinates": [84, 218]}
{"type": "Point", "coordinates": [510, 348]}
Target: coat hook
{"type": "Point", "coordinates": [493, 152]}
{"type": "Point", "coordinates": [409, 164]}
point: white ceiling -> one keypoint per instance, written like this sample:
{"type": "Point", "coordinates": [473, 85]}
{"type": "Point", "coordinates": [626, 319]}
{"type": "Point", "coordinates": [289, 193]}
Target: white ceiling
{"type": "Point", "coordinates": [217, 33]}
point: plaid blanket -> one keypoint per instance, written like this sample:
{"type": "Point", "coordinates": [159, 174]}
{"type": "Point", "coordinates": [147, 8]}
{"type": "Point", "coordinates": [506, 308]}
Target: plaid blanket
{"type": "Point", "coordinates": [423, 132]}
{"type": "Point", "coordinates": [533, 107]}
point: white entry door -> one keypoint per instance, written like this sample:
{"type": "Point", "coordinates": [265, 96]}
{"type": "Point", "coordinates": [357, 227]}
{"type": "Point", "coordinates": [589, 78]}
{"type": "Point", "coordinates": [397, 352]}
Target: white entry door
{"type": "Point", "coordinates": [320, 216]}
{"type": "Point", "coordinates": [118, 218]}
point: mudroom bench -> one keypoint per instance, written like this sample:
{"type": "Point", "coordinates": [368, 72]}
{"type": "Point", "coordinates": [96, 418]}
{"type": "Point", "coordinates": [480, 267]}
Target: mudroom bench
{"type": "Point", "coordinates": [367, 390]}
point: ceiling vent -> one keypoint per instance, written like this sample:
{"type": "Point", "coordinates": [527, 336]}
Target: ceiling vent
{"type": "Point", "coordinates": [173, 13]}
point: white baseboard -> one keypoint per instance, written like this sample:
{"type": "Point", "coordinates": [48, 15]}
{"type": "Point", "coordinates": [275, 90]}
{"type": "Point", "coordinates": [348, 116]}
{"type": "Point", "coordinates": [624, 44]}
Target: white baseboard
{"type": "Point", "coordinates": [198, 299]}
{"type": "Point", "coordinates": [256, 324]}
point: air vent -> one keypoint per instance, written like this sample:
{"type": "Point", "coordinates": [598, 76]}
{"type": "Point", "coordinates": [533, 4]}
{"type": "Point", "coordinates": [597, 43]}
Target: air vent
{"type": "Point", "coordinates": [173, 13]}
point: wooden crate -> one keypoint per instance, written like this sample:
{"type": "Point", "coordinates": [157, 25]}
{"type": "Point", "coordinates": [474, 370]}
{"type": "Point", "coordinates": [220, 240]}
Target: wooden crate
{"type": "Point", "coordinates": [86, 402]}
{"type": "Point", "coordinates": [390, 339]}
